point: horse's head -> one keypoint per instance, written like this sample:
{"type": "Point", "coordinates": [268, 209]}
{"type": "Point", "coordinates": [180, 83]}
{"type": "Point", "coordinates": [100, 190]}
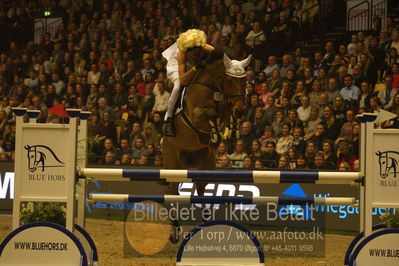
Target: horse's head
{"type": "Point", "coordinates": [31, 157]}
{"type": "Point", "coordinates": [234, 84]}
{"type": "Point", "coordinates": [383, 162]}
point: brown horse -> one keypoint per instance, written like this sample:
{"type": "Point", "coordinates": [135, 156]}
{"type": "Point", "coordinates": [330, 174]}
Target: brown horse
{"type": "Point", "coordinates": [216, 94]}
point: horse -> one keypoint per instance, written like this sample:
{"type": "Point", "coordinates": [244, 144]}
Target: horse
{"type": "Point", "coordinates": [214, 98]}
{"type": "Point", "coordinates": [37, 157]}
{"type": "Point", "coordinates": [388, 164]}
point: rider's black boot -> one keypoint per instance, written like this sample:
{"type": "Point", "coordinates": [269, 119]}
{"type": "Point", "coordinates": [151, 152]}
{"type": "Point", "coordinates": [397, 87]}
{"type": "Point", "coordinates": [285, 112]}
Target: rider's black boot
{"type": "Point", "coordinates": [169, 128]}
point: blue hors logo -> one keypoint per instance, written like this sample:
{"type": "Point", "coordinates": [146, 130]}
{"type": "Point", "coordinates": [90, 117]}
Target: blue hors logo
{"type": "Point", "coordinates": [388, 161]}
{"type": "Point", "coordinates": [40, 157]}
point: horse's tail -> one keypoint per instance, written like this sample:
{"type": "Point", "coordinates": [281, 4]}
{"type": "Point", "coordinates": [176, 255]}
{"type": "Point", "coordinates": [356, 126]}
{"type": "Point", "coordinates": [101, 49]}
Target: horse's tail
{"type": "Point", "coordinates": [54, 155]}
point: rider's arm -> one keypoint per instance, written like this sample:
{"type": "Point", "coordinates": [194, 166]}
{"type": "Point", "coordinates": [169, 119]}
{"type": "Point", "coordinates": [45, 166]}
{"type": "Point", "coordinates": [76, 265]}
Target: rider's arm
{"type": "Point", "coordinates": [184, 75]}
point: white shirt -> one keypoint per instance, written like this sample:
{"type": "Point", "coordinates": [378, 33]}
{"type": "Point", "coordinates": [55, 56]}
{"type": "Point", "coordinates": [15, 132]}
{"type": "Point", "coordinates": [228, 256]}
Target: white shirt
{"type": "Point", "coordinates": [161, 100]}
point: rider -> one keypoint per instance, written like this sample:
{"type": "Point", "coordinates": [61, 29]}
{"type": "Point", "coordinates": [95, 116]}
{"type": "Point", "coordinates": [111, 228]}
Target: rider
{"type": "Point", "coordinates": [185, 58]}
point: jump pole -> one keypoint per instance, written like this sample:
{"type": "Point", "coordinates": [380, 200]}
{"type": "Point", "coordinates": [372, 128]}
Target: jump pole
{"type": "Point", "coordinates": [256, 177]}
{"type": "Point", "coordinates": [261, 200]}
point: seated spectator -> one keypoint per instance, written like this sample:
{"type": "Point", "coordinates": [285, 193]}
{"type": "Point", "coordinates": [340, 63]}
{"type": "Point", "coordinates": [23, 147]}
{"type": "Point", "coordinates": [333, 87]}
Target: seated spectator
{"type": "Point", "coordinates": [138, 150]}
{"type": "Point", "coordinates": [311, 125]}
{"type": "Point", "coordinates": [299, 144]}
{"type": "Point", "coordinates": [286, 65]}
{"type": "Point", "coordinates": [328, 151]}
{"type": "Point", "coordinates": [293, 120]}
{"type": "Point", "coordinates": [323, 78]}
{"type": "Point", "coordinates": [308, 79]}
{"type": "Point", "coordinates": [149, 135]}
{"type": "Point", "coordinates": [270, 158]}
{"type": "Point", "coordinates": [119, 98]}
{"type": "Point", "coordinates": [283, 163]}
{"type": "Point", "coordinates": [299, 92]}
{"type": "Point", "coordinates": [161, 99]}
{"type": "Point", "coordinates": [375, 104]}
{"type": "Point", "coordinates": [278, 122]}
{"type": "Point", "coordinates": [332, 126]}
{"type": "Point", "coordinates": [151, 153]}
{"type": "Point", "coordinates": [301, 163]}
{"type": "Point", "coordinates": [304, 110]}
{"type": "Point", "coordinates": [266, 93]}
{"type": "Point", "coordinates": [247, 163]}
{"type": "Point", "coordinates": [106, 128]}
{"type": "Point", "coordinates": [346, 128]}
{"type": "Point", "coordinates": [314, 95]}
{"type": "Point", "coordinates": [93, 76]}
{"type": "Point", "coordinates": [274, 82]}
{"type": "Point", "coordinates": [268, 135]}
{"type": "Point", "coordinates": [251, 107]}
{"type": "Point", "coordinates": [395, 75]}
{"type": "Point", "coordinates": [345, 154]}
{"type": "Point", "coordinates": [258, 122]}
{"type": "Point", "coordinates": [250, 90]}
{"type": "Point", "coordinates": [365, 96]}
{"type": "Point", "coordinates": [356, 166]}
{"type": "Point", "coordinates": [320, 163]}
{"type": "Point", "coordinates": [285, 141]}
{"type": "Point", "coordinates": [344, 167]}
{"type": "Point", "coordinates": [7, 139]}
{"type": "Point", "coordinates": [350, 91]}
{"type": "Point", "coordinates": [225, 161]}
{"type": "Point", "coordinates": [318, 63]}
{"type": "Point", "coordinates": [355, 140]}
{"type": "Point", "coordinates": [310, 152]}
{"type": "Point", "coordinates": [143, 161]}
{"type": "Point", "coordinates": [258, 164]}
{"type": "Point", "coordinates": [220, 151]}
{"type": "Point", "coordinates": [271, 65]}
{"type": "Point", "coordinates": [318, 136]}
{"type": "Point", "coordinates": [340, 108]}
{"type": "Point", "coordinates": [158, 161]}
{"type": "Point", "coordinates": [291, 155]}
{"type": "Point", "coordinates": [258, 83]}
{"type": "Point", "coordinates": [123, 148]}
{"type": "Point", "coordinates": [109, 158]}
{"type": "Point", "coordinates": [332, 89]}
{"type": "Point", "coordinates": [103, 107]}
{"type": "Point", "coordinates": [247, 136]}
{"type": "Point", "coordinates": [238, 155]}
{"type": "Point", "coordinates": [256, 152]}
{"type": "Point", "coordinates": [270, 109]}
{"type": "Point", "coordinates": [387, 94]}
{"type": "Point", "coordinates": [284, 93]}
{"type": "Point", "coordinates": [124, 160]}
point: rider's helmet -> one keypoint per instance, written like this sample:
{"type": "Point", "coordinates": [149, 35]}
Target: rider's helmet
{"type": "Point", "coordinates": [191, 39]}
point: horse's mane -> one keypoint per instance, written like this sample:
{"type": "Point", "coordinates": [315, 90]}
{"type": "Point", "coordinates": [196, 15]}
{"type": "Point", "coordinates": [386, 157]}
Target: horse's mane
{"type": "Point", "coordinates": [214, 56]}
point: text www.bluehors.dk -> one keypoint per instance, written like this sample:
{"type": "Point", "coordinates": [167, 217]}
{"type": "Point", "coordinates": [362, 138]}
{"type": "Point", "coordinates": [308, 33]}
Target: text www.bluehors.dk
{"type": "Point", "coordinates": [41, 246]}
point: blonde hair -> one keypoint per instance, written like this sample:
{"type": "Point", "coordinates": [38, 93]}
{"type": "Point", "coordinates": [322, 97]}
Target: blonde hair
{"type": "Point", "coordinates": [191, 38]}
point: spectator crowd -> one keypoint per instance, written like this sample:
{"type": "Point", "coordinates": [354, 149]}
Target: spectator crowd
{"type": "Point", "coordinates": [106, 57]}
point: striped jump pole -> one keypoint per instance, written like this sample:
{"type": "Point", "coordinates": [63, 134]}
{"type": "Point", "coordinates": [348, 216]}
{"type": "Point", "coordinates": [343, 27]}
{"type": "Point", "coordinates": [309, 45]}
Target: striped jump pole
{"type": "Point", "coordinates": [261, 200]}
{"type": "Point", "coordinates": [256, 177]}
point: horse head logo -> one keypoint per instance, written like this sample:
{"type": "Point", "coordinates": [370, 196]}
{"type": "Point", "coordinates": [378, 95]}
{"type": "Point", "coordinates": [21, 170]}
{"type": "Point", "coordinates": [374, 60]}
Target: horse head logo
{"type": "Point", "coordinates": [388, 163]}
{"type": "Point", "coordinates": [38, 158]}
